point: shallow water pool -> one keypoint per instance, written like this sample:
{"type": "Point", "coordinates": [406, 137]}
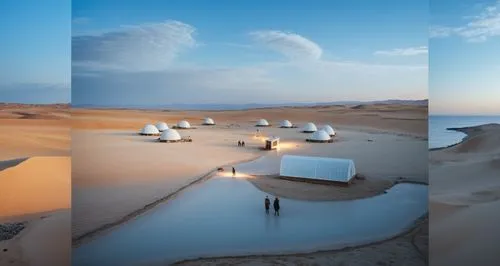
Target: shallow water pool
{"type": "Point", "coordinates": [225, 217]}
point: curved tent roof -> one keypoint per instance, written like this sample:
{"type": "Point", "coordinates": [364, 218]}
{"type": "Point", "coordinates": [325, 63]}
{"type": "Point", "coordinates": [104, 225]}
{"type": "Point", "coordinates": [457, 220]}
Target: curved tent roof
{"type": "Point", "coordinates": [310, 127]}
{"type": "Point", "coordinates": [262, 122]}
{"type": "Point", "coordinates": [328, 129]}
{"type": "Point", "coordinates": [319, 168]}
{"type": "Point", "coordinates": [170, 135]}
{"type": "Point", "coordinates": [285, 123]}
{"type": "Point", "coordinates": [183, 124]}
{"type": "Point", "coordinates": [208, 121]}
{"type": "Point", "coordinates": [150, 129]}
{"type": "Point", "coordinates": [320, 135]}
{"type": "Point", "coordinates": [162, 126]}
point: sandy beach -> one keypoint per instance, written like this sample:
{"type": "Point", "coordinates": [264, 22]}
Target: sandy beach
{"type": "Point", "coordinates": [35, 178]}
{"type": "Point", "coordinates": [465, 197]}
{"type": "Point", "coordinates": [116, 172]}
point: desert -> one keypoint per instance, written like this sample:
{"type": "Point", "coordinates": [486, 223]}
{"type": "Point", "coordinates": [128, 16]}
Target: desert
{"type": "Point", "coordinates": [464, 197]}
{"type": "Point", "coordinates": [119, 176]}
{"type": "Point", "coordinates": [35, 190]}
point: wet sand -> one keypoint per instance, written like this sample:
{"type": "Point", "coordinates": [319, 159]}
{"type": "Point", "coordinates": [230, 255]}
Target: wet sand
{"type": "Point", "coordinates": [465, 199]}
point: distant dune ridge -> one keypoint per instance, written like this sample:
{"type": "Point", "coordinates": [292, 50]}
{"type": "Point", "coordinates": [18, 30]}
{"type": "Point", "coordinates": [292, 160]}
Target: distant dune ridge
{"type": "Point", "coordinates": [465, 199]}
{"type": "Point", "coordinates": [184, 106]}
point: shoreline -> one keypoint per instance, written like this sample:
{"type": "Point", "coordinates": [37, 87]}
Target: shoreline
{"type": "Point", "coordinates": [412, 231]}
{"type": "Point", "coordinates": [466, 131]}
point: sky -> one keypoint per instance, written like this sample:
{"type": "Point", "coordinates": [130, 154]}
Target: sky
{"type": "Point", "coordinates": [169, 52]}
{"type": "Point", "coordinates": [35, 65]}
{"type": "Point", "coordinates": [464, 57]}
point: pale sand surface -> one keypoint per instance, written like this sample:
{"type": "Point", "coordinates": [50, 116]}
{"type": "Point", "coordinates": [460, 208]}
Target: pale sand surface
{"type": "Point", "coordinates": [465, 200]}
{"type": "Point", "coordinates": [35, 182]}
{"type": "Point", "coordinates": [116, 172]}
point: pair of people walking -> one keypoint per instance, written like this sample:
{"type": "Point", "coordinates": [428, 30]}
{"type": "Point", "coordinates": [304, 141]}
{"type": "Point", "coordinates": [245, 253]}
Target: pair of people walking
{"type": "Point", "coordinates": [276, 205]}
{"type": "Point", "coordinates": [241, 143]}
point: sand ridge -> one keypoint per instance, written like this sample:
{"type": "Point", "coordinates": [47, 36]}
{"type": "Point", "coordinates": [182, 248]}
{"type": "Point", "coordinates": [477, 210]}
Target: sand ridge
{"type": "Point", "coordinates": [465, 197]}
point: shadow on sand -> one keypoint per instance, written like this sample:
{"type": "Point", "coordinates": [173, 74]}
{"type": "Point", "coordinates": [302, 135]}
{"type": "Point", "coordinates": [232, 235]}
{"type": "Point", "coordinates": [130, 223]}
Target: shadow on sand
{"type": "Point", "coordinates": [11, 163]}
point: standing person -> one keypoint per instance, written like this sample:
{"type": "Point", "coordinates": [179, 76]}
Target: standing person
{"type": "Point", "coordinates": [276, 206]}
{"type": "Point", "coordinates": [234, 171]}
{"type": "Point", "coordinates": [239, 143]}
{"type": "Point", "coordinates": [267, 203]}
{"type": "Point", "coordinates": [243, 143]}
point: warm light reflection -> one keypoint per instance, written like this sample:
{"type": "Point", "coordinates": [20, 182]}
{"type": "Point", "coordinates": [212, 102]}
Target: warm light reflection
{"type": "Point", "coordinates": [287, 146]}
{"type": "Point", "coordinates": [237, 175]}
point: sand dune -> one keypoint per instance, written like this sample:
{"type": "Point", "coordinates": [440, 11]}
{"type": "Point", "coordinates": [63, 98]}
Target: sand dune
{"type": "Point", "coordinates": [37, 185]}
{"type": "Point", "coordinates": [465, 199]}
{"type": "Point", "coordinates": [37, 192]}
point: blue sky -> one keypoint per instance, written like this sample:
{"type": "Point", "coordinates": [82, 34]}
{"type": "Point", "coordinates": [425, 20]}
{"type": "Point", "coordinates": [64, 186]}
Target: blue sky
{"type": "Point", "coordinates": [163, 52]}
{"type": "Point", "coordinates": [464, 57]}
{"type": "Point", "coordinates": [36, 51]}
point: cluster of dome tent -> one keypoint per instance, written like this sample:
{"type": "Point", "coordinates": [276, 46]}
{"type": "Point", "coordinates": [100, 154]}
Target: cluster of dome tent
{"type": "Point", "coordinates": [325, 134]}
{"type": "Point", "coordinates": [167, 134]}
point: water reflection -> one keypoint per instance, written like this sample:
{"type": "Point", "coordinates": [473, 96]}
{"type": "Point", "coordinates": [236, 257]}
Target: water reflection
{"type": "Point", "coordinates": [223, 217]}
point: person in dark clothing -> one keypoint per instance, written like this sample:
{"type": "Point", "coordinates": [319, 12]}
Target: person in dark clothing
{"type": "Point", "coordinates": [239, 143]}
{"type": "Point", "coordinates": [276, 206]}
{"type": "Point", "coordinates": [267, 203]}
{"type": "Point", "coordinates": [243, 143]}
{"type": "Point", "coordinates": [234, 171]}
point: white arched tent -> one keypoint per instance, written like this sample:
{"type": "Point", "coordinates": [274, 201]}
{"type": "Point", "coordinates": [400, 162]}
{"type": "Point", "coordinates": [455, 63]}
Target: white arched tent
{"type": "Point", "coordinates": [161, 126]}
{"type": "Point", "coordinates": [317, 168]}
{"type": "Point", "coordinates": [319, 136]}
{"type": "Point", "coordinates": [170, 135]}
{"type": "Point", "coordinates": [286, 124]}
{"type": "Point", "coordinates": [149, 130]}
{"type": "Point", "coordinates": [328, 129]}
{"type": "Point", "coordinates": [208, 121]}
{"type": "Point", "coordinates": [183, 124]}
{"type": "Point", "coordinates": [262, 123]}
{"type": "Point", "coordinates": [309, 128]}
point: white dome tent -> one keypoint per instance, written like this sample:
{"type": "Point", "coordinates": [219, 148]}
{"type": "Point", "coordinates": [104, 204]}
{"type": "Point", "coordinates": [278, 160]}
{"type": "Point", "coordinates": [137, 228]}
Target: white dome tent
{"type": "Point", "coordinates": [208, 121]}
{"type": "Point", "coordinates": [149, 130]}
{"type": "Point", "coordinates": [170, 135]}
{"type": "Point", "coordinates": [318, 168]}
{"type": "Point", "coordinates": [262, 123]}
{"type": "Point", "coordinates": [183, 124]}
{"type": "Point", "coordinates": [320, 136]}
{"type": "Point", "coordinates": [309, 128]}
{"type": "Point", "coordinates": [161, 126]}
{"type": "Point", "coordinates": [286, 124]}
{"type": "Point", "coordinates": [328, 129]}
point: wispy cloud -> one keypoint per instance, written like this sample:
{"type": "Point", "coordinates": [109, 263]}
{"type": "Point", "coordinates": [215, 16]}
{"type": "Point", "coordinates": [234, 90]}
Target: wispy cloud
{"type": "Point", "coordinates": [143, 47]}
{"type": "Point", "coordinates": [130, 63]}
{"type": "Point", "coordinates": [411, 51]}
{"type": "Point", "coordinates": [291, 45]}
{"type": "Point", "coordinates": [480, 27]}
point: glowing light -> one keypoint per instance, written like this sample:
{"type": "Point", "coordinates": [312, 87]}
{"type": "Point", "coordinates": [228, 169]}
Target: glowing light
{"type": "Point", "coordinates": [230, 175]}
